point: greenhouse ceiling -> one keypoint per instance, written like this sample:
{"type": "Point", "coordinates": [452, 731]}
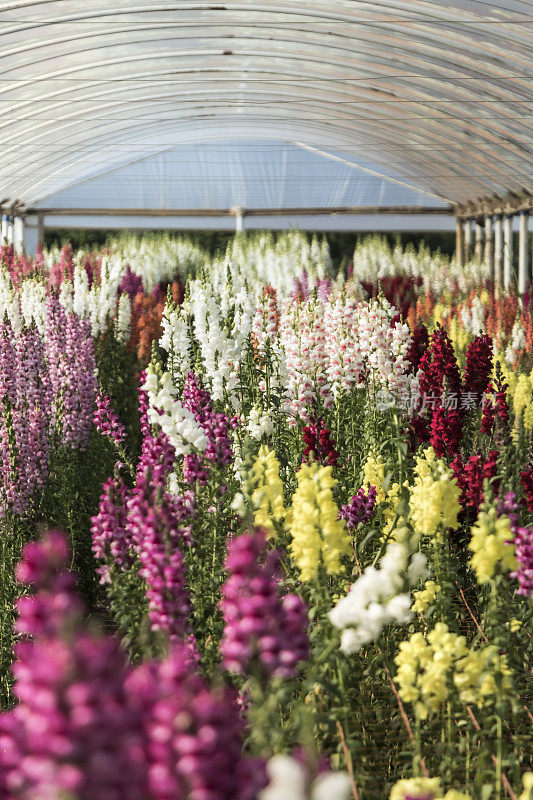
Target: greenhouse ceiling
{"type": "Point", "coordinates": [436, 96]}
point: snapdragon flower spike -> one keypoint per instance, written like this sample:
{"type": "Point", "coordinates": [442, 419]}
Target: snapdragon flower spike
{"type": "Point", "coordinates": [63, 269]}
{"type": "Point", "coordinates": [75, 732]}
{"type": "Point", "coordinates": [471, 475]}
{"type": "Point", "coordinates": [266, 321]}
{"type": "Point", "coordinates": [438, 374]}
{"type": "Point", "coordinates": [144, 405]}
{"type": "Point", "coordinates": [107, 421]}
{"type": "Point", "coordinates": [523, 544]}
{"type": "Point", "coordinates": [69, 352]}
{"type": "Point", "coordinates": [155, 525]}
{"type": "Point", "coordinates": [418, 346]}
{"type": "Point", "coordinates": [495, 406]}
{"type": "Point", "coordinates": [478, 365]}
{"type": "Point", "coordinates": [216, 427]}
{"type": "Point", "coordinates": [111, 537]}
{"type": "Point", "coordinates": [194, 735]}
{"type": "Point", "coordinates": [439, 366]}
{"type": "Point", "coordinates": [260, 627]}
{"type": "Point", "coordinates": [195, 470]}
{"type": "Point", "coordinates": [526, 479]}
{"type": "Point", "coordinates": [56, 605]}
{"type": "Point", "coordinates": [24, 416]}
{"type": "Point", "coordinates": [360, 508]}
{"type": "Point", "coordinates": [131, 284]}
{"type": "Point", "coordinates": [300, 287]}
{"type": "Point", "coordinates": [318, 441]}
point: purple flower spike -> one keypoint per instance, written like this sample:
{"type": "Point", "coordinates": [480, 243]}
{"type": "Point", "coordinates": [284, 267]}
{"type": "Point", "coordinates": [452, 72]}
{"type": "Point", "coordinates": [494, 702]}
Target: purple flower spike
{"type": "Point", "coordinates": [260, 627]}
{"type": "Point", "coordinates": [360, 508]}
{"type": "Point", "coordinates": [106, 420]}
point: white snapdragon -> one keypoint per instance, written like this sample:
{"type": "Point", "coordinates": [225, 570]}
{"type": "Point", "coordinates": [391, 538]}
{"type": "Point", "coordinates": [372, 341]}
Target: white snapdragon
{"type": "Point", "coordinates": [288, 780]}
{"type": "Point", "coordinates": [167, 412]}
{"type": "Point", "coordinates": [158, 259]}
{"type": "Point", "coordinates": [374, 601]}
{"type": "Point", "coordinates": [418, 569]}
{"type": "Point", "coordinates": [33, 300]}
{"type": "Point", "coordinates": [259, 423]}
{"type": "Point", "coordinates": [517, 342]}
{"type": "Point", "coordinates": [123, 318]}
{"type": "Point", "coordinates": [175, 340]}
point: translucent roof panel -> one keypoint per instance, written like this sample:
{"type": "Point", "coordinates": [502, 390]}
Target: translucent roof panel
{"type": "Point", "coordinates": [436, 94]}
{"type": "Point", "coordinates": [254, 174]}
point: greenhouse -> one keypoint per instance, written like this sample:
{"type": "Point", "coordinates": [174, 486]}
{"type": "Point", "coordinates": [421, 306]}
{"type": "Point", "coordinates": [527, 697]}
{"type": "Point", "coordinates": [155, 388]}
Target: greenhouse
{"type": "Point", "coordinates": [266, 400]}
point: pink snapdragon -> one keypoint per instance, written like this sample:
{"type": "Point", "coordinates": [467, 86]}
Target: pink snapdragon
{"type": "Point", "coordinates": [155, 525]}
{"type": "Point", "coordinates": [261, 627]}
{"type": "Point", "coordinates": [70, 357]}
{"type": "Point", "coordinates": [106, 419]}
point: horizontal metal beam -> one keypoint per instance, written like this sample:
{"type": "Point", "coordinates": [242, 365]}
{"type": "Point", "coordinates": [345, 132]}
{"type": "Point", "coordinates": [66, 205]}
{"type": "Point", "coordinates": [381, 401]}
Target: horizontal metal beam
{"type": "Point", "coordinates": [253, 212]}
{"type": "Point", "coordinates": [327, 222]}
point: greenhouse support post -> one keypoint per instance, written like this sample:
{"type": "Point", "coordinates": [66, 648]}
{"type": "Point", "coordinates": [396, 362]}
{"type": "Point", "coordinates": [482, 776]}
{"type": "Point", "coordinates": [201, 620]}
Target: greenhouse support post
{"type": "Point", "coordinates": [522, 253]}
{"type": "Point", "coordinates": [478, 246]}
{"type": "Point", "coordinates": [498, 250]}
{"type": "Point", "coordinates": [9, 236]}
{"type": "Point", "coordinates": [459, 243]}
{"type": "Point", "coordinates": [467, 240]}
{"type": "Point", "coordinates": [489, 246]}
{"type": "Point", "coordinates": [18, 234]}
{"type": "Point", "coordinates": [507, 250]}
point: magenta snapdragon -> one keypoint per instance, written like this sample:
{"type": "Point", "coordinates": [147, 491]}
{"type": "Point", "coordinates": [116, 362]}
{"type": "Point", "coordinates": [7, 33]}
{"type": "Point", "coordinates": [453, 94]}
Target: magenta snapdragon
{"type": "Point", "coordinates": [106, 419]}
{"type": "Point", "coordinates": [261, 627]}
{"type": "Point", "coordinates": [523, 544]}
{"type": "Point", "coordinates": [75, 730]}
{"type": "Point", "coordinates": [70, 357]}
{"type": "Point", "coordinates": [24, 440]}
{"type": "Point", "coordinates": [89, 726]}
{"type": "Point", "coordinates": [195, 734]}
{"type": "Point", "coordinates": [111, 536]}
{"type": "Point", "coordinates": [360, 508]}
{"type": "Point", "coordinates": [216, 425]}
{"type": "Point", "coordinates": [155, 524]}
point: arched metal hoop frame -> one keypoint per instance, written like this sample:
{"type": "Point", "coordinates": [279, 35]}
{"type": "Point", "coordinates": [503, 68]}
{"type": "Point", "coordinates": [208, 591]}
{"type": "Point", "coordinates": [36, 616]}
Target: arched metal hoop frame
{"type": "Point", "coordinates": [438, 94]}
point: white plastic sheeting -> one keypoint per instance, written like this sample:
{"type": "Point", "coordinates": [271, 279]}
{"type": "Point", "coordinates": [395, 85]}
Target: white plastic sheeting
{"type": "Point", "coordinates": [253, 174]}
{"type": "Point", "coordinates": [435, 94]}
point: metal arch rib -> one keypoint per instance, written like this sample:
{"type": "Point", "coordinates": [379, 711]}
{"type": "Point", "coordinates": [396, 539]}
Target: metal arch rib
{"type": "Point", "coordinates": [504, 138]}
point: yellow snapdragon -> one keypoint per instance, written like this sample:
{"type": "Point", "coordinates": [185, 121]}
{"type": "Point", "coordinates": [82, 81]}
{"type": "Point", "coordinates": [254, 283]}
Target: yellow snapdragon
{"type": "Point", "coordinates": [527, 784]}
{"type": "Point", "coordinates": [490, 535]}
{"type": "Point", "coordinates": [438, 312]}
{"type": "Point", "coordinates": [267, 490]}
{"type": "Point", "coordinates": [318, 536]}
{"type": "Point", "coordinates": [426, 788]}
{"type": "Point", "coordinates": [374, 475]}
{"type": "Point", "coordinates": [508, 375]}
{"type": "Point", "coordinates": [523, 400]}
{"type": "Point", "coordinates": [416, 787]}
{"type": "Point", "coordinates": [458, 334]}
{"type": "Point", "coordinates": [475, 676]}
{"type": "Point", "coordinates": [428, 663]}
{"type": "Point", "coordinates": [391, 509]}
{"type": "Point", "coordinates": [425, 597]}
{"type": "Point", "coordinates": [424, 668]}
{"type": "Point", "coordinates": [434, 496]}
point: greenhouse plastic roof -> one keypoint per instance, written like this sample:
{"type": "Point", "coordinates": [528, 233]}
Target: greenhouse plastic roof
{"type": "Point", "coordinates": [254, 174]}
{"type": "Point", "coordinates": [435, 95]}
